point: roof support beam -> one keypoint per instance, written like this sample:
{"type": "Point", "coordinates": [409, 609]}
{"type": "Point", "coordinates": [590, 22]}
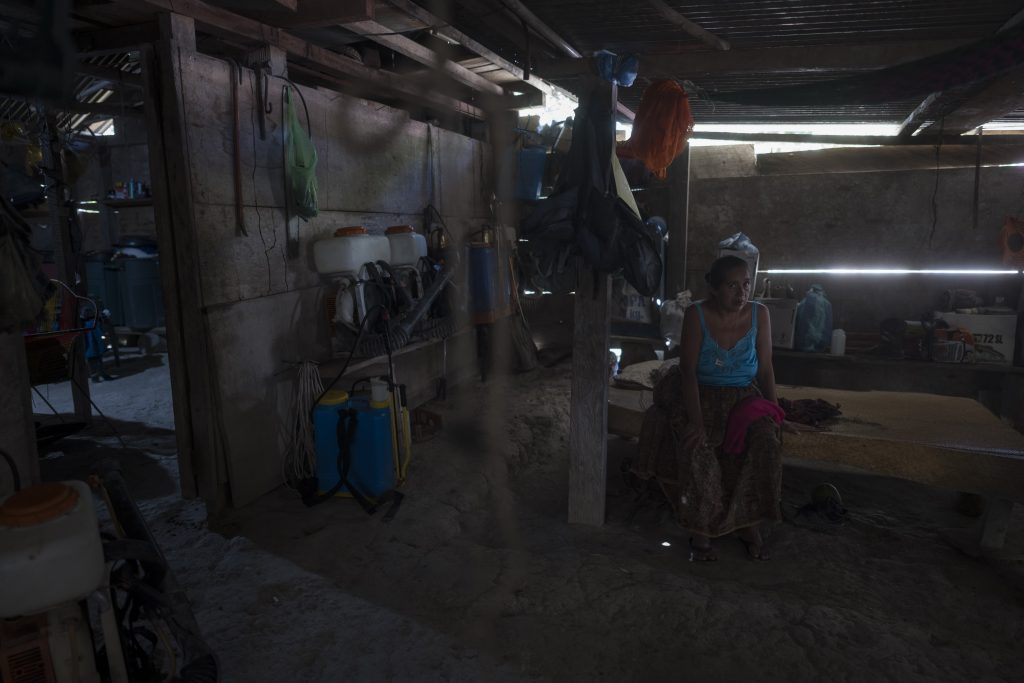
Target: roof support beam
{"type": "Point", "coordinates": [695, 30]}
{"type": "Point", "coordinates": [766, 60]}
{"type": "Point", "coordinates": [222, 22]}
{"type": "Point", "coordinates": [382, 35]}
{"type": "Point", "coordinates": [999, 97]}
{"type": "Point", "coordinates": [545, 31]}
{"type": "Point", "coordinates": [447, 32]}
{"type": "Point", "coordinates": [913, 121]}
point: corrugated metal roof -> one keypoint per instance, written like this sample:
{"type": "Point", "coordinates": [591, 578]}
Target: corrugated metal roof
{"type": "Point", "coordinates": [633, 26]}
{"type": "Point", "coordinates": [87, 89]}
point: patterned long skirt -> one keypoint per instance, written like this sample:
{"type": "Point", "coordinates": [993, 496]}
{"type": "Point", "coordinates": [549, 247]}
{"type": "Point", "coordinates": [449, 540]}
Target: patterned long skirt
{"type": "Point", "coordinates": [712, 493]}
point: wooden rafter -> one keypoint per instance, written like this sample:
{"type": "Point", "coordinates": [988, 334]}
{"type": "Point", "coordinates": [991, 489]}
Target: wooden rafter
{"type": "Point", "coordinates": [221, 22]}
{"type": "Point", "coordinates": [765, 60]}
{"type": "Point", "coordinates": [403, 45]}
{"type": "Point", "coordinates": [673, 17]}
{"type": "Point", "coordinates": [999, 97]}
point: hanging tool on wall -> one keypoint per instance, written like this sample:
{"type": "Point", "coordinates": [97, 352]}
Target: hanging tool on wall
{"type": "Point", "coordinates": [259, 61]}
{"type": "Point", "coordinates": [236, 149]}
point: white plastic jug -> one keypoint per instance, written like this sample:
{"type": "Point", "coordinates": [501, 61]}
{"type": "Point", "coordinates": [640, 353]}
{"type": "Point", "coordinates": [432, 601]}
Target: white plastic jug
{"type": "Point", "coordinates": [838, 347]}
{"type": "Point", "coordinates": [348, 250]}
{"type": "Point", "coordinates": [407, 245]}
{"type": "Point", "coordinates": [50, 548]}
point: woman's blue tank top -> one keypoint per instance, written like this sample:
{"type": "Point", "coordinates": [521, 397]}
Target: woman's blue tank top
{"type": "Point", "coordinates": [736, 367]}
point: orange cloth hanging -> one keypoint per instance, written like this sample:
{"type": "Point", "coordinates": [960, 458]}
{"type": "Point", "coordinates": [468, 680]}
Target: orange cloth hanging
{"type": "Point", "coordinates": [663, 124]}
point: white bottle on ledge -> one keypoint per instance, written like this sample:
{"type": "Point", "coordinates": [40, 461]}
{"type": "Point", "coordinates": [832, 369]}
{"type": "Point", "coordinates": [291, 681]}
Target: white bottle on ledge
{"type": "Point", "coordinates": [838, 347]}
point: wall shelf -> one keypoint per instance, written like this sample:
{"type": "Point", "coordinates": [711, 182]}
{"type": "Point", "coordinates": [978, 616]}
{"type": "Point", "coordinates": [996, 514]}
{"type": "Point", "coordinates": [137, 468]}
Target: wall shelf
{"type": "Point", "coordinates": [128, 203]}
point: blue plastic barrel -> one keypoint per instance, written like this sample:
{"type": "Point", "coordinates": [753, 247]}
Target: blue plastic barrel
{"type": "Point", "coordinates": [530, 172]}
{"type": "Point", "coordinates": [372, 470]}
{"type": "Point", "coordinates": [489, 290]}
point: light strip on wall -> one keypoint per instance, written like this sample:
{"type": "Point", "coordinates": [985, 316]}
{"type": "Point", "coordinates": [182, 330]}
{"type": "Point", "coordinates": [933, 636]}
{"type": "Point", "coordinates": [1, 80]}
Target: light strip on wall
{"type": "Point", "coordinates": [887, 271]}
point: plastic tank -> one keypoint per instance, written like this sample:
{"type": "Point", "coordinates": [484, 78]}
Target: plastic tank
{"type": "Point", "coordinates": [489, 289]}
{"type": "Point", "coordinates": [407, 245]}
{"type": "Point", "coordinates": [373, 466]}
{"type": "Point", "coordinates": [50, 549]}
{"type": "Point", "coordinates": [348, 250]}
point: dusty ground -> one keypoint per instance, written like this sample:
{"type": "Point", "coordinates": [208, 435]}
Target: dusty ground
{"type": "Point", "coordinates": [480, 578]}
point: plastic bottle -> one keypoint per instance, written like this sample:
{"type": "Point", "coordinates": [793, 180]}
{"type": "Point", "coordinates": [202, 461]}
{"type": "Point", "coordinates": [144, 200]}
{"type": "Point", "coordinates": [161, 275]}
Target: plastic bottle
{"type": "Point", "coordinates": [838, 347]}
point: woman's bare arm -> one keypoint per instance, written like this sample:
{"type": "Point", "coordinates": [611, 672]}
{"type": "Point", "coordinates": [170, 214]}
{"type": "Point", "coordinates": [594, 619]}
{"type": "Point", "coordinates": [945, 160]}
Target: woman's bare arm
{"type": "Point", "coordinates": [689, 353]}
{"type": "Point", "coordinates": [765, 370]}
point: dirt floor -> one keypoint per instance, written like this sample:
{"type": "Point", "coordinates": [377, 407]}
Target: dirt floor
{"type": "Point", "coordinates": [480, 578]}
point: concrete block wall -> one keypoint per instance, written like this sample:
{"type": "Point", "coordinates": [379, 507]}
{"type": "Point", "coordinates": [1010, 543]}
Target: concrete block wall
{"type": "Point", "coordinates": [862, 219]}
{"type": "Point", "coordinates": [264, 309]}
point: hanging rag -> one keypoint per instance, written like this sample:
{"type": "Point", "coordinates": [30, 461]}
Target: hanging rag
{"type": "Point", "coordinates": [743, 415]}
{"type": "Point", "coordinates": [662, 126]}
{"type": "Point", "coordinates": [300, 162]}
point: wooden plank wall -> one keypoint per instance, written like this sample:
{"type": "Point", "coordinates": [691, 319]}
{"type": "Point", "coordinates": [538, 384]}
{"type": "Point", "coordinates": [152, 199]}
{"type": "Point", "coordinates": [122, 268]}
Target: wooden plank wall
{"type": "Point", "coordinates": [263, 309]}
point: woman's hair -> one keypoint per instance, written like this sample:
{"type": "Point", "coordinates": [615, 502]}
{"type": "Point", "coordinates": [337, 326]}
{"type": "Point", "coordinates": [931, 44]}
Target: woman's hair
{"type": "Point", "coordinates": [721, 267]}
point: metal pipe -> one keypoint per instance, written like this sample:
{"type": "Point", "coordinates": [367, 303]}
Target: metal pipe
{"type": "Point", "coordinates": [534, 22]}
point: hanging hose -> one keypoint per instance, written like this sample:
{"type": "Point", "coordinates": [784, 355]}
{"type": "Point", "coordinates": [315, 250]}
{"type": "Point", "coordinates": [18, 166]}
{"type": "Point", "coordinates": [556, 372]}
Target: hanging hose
{"type": "Point", "coordinates": [300, 460]}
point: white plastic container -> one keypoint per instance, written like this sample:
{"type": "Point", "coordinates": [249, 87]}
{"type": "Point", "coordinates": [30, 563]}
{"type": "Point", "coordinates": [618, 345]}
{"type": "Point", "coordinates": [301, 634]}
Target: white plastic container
{"type": "Point", "coordinates": [50, 548]}
{"type": "Point", "coordinates": [838, 347]}
{"type": "Point", "coordinates": [348, 250]}
{"type": "Point", "coordinates": [407, 245]}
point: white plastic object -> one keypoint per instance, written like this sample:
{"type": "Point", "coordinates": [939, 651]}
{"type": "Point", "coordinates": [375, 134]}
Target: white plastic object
{"type": "Point", "coordinates": [838, 347]}
{"type": "Point", "coordinates": [46, 563]}
{"type": "Point", "coordinates": [407, 245]}
{"type": "Point", "coordinates": [70, 642]}
{"type": "Point", "coordinates": [348, 250]}
{"type": "Point", "coordinates": [378, 391]}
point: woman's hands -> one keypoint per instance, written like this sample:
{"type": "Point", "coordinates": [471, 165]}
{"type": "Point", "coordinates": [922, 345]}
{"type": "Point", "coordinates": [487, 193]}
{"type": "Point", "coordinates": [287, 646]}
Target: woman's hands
{"type": "Point", "coordinates": [694, 436]}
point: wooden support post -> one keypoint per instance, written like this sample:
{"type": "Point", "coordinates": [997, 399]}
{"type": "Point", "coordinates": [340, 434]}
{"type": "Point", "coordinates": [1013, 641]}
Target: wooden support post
{"type": "Point", "coordinates": [67, 263]}
{"type": "Point", "coordinates": [588, 416]}
{"type": "Point", "coordinates": [588, 425]}
{"type": "Point", "coordinates": [199, 457]}
{"type": "Point", "coordinates": [17, 436]}
{"type": "Point", "coordinates": [678, 224]}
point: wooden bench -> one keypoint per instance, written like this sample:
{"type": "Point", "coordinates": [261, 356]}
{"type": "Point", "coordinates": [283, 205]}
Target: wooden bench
{"type": "Point", "coordinates": [943, 441]}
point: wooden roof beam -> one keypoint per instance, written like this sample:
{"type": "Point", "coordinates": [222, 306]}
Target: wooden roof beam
{"type": "Point", "coordinates": [695, 30]}
{"type": "Point", "coordinates": [445, 31]}
{"type": "Point", "coordinates": [382, 35]}
{"type": "Point", "coordinates": [1001, 96]}
{"type": "Point", "coordinates": [223, 22]}
{"type": "Point", "coordinates": [765, 60]}
{"type": "Point", "coordinates": [914, 119]}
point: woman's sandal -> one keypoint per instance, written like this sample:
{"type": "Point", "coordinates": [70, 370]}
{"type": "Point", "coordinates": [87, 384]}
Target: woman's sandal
{"type": "Point", "coordinates": [702, 553]}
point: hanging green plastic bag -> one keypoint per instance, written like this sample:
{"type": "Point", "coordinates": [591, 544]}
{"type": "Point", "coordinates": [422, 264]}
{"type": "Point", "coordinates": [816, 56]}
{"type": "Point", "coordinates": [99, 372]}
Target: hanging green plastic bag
{"type": "Point", "coordinates": [300, 162]}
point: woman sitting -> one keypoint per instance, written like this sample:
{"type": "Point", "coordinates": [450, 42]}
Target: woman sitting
{"type": "Point", "coordinates": [725, 360]}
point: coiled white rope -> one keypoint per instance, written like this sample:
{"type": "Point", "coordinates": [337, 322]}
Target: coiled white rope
{"type": "Point", "coordinates": [300, 460]}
